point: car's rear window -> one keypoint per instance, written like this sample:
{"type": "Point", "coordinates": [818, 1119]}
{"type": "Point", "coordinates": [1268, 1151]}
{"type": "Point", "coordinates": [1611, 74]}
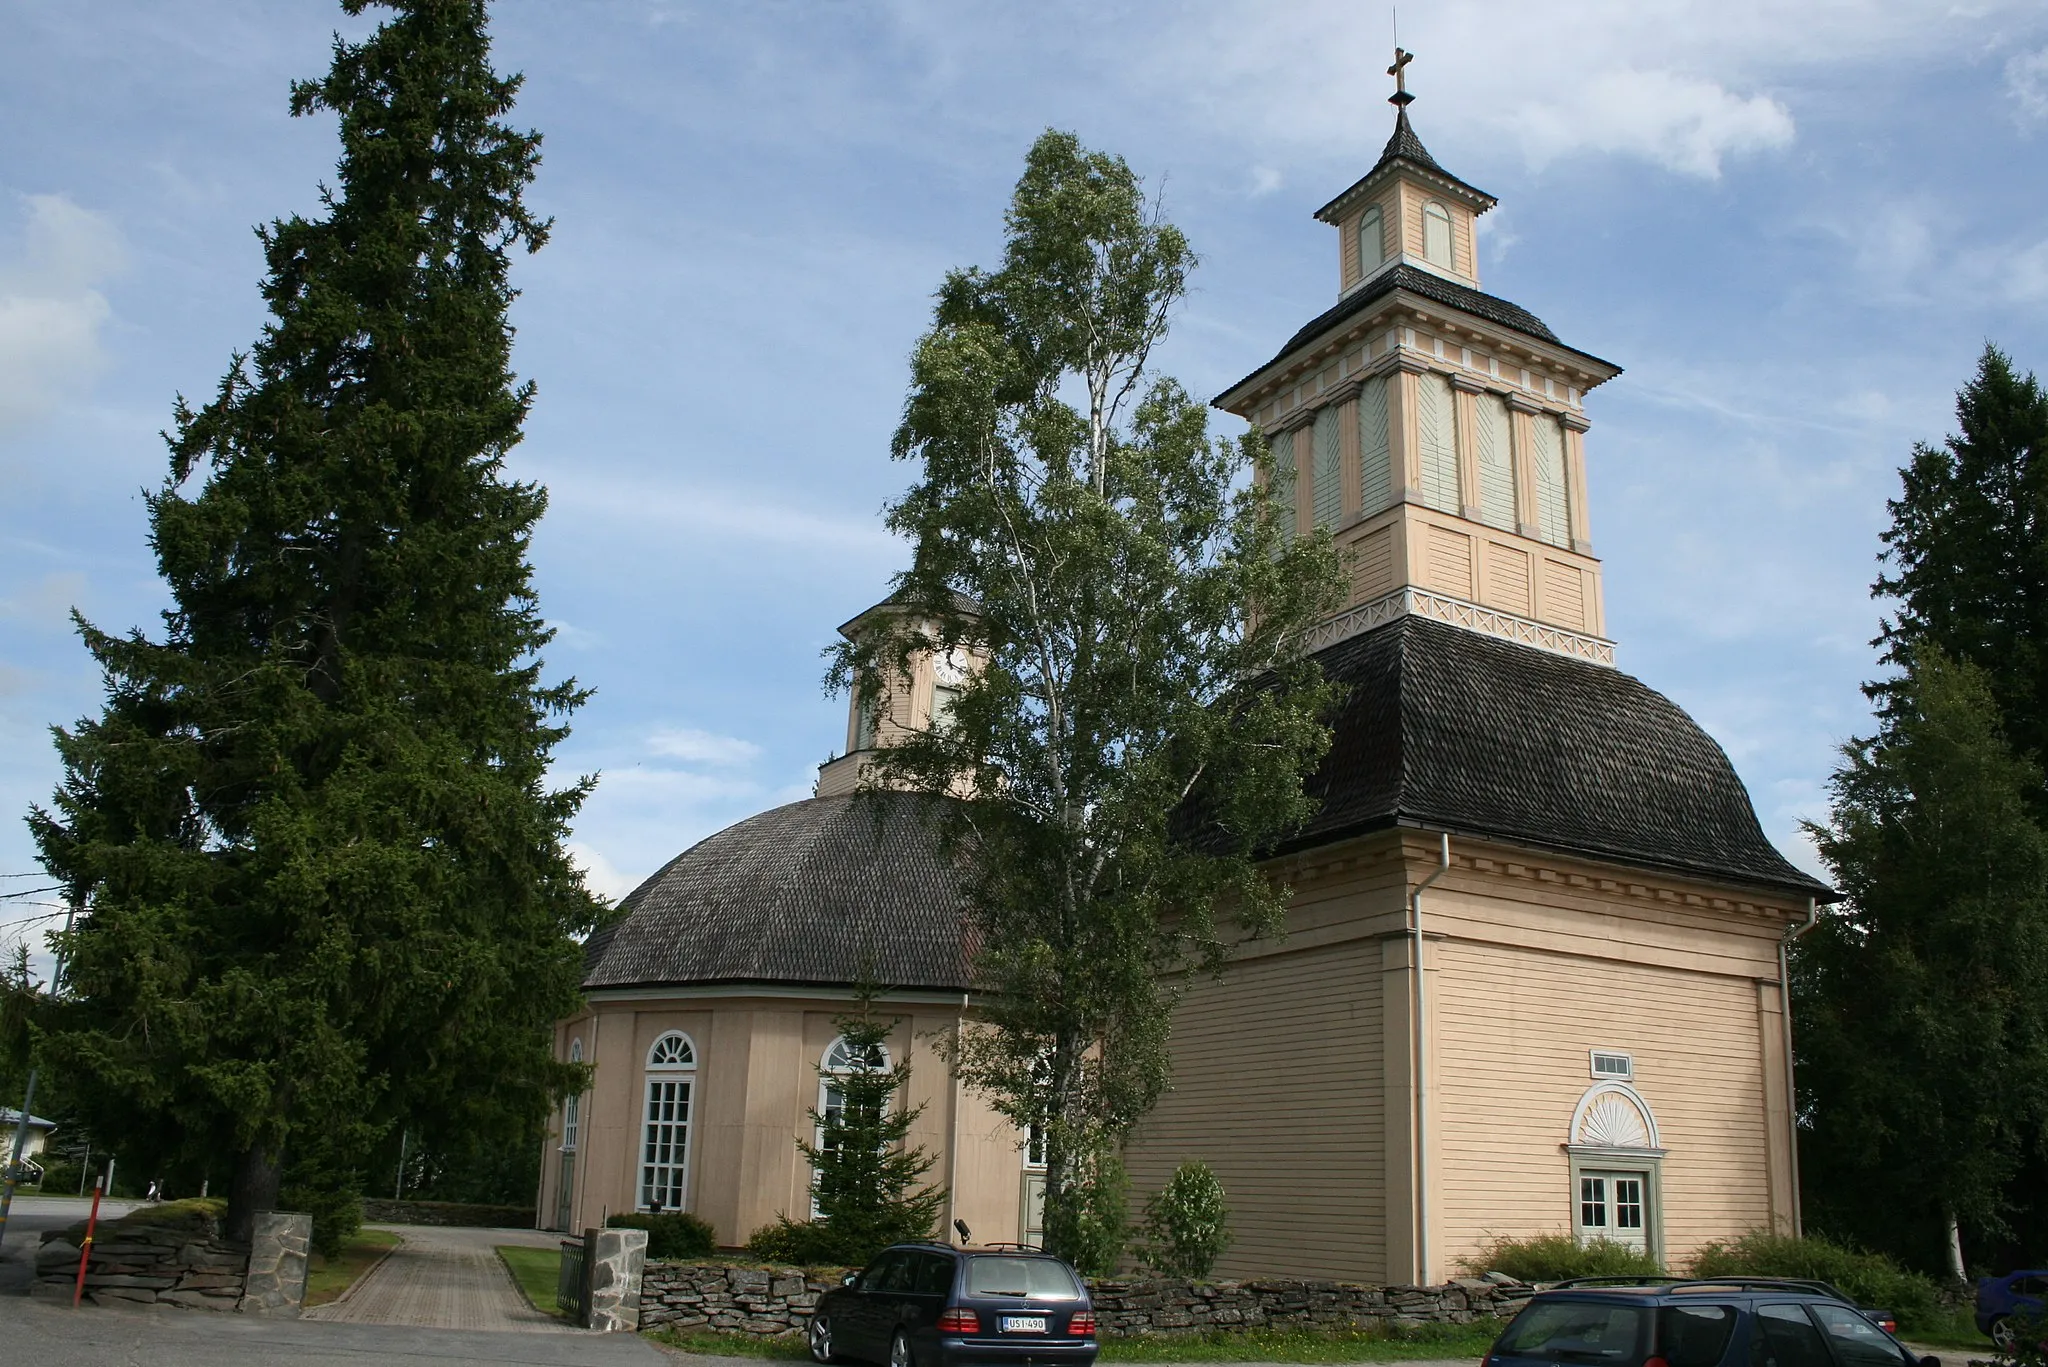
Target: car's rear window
{"type": "Point", "coordinates": [1038, 1279]}
{"type": "Point", "coordinates": [1694, 1335]}
{"type": "Point", "coordinates": [1578, 1331]}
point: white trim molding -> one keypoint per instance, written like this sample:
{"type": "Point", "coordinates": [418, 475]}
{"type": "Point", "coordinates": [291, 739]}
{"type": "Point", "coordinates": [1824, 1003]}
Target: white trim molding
{"type": "Point", "coordinates": [1441, 607]}
{"type": "Point", "coordinates": [1625, 1126]}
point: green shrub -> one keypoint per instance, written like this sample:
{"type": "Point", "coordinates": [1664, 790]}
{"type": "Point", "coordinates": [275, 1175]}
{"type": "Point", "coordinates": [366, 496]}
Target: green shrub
{"type": "Point", "coordinates": [1871, 1278]}
{"type": "Point", "coordinates": [1187, 1224]}
{"type": "Point", "coordinates": [673, 1234]}
{"type": "Point", "coordinates": [1554, 1257]}
{"type": "Point", "coordinates": [809, 1243]}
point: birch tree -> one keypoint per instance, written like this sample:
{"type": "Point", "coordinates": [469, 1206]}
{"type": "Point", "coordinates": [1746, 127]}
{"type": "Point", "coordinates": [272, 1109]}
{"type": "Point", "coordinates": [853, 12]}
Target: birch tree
{"type": "Point", "coordinates": [1137, 715]}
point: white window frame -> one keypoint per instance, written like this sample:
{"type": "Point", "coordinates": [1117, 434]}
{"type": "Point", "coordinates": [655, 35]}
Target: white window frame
{"type": "Point", "coordinates": [1373, 222]}
{"type": "Point", "coordinates": [1435, 213]}
{"type": "Point", "coordinates": [670, 1079]}
{"type": "Point", "coordinates": [1628, 1065]}
{"type": "Point", "coordinates": [572, 1109]}
{"type": "Point", "coordinates": [838, 1061]}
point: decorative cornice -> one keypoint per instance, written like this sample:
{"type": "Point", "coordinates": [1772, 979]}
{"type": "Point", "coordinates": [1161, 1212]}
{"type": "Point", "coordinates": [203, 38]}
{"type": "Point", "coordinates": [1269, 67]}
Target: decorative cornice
{"type": "Point", "coordinates": [1457, 612]}
{"type": "Point", "coordinates": [1468, 382]}
{"type": "Point", "coordinates": [1578, 422]}
{"type": "Point", "coordinates": [1522, 403]}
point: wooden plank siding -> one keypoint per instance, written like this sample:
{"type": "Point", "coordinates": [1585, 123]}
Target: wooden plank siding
{"type": "Point", "coordinates": [1277, 1086]}
{"type": "Point", "coordinates": [1512, 1027]}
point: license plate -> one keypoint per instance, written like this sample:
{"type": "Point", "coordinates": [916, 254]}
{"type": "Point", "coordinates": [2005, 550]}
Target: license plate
{"type": "Point", "coordinates": [1023, 1324]}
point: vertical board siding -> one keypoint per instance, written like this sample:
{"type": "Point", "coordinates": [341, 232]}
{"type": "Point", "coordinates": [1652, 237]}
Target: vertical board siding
{"type": "Point", "coordinates": [1375, 463]}
{"type": "Point", "coordinates": [1512, 1029]}
{"type": "Point", "coordinates": [1436, 435]}
{"type": "Point", "coordinates": [1506, 579]}
{"type": "Point", "coordinates": [1329, 468]}
{"type": "Point", "coordinates": [1282, 485]}
{"type": "Point", "coordinates": [1372, 566]}
{"type": "Point", "coordinates": [1496, 462]}
{"type": "Point", "coordinates": [1553, 502]}
{"type": "Point", "coordinates": [1564, 595]}
{"type": "Point", "coordinates": [1276, 1085]}
{"type": "Point", "coordinates": [1450, 562]}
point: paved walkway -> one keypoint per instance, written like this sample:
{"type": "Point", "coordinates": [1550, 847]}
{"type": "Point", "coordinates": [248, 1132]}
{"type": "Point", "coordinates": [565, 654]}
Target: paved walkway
{"type": "Point", "coordinates": [446, 1279]}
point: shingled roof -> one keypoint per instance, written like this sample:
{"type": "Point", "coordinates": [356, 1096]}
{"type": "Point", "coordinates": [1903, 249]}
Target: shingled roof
{"type": "Point", "coordinates": [1451, 729]}
{"type": "Point", "coordinates": [1434, 288]}
{"type": "Point", "coordinates": [830, 891]}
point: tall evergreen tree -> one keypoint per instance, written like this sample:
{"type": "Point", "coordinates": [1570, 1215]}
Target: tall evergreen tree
{"type": "Point", "coordinates": [1923, 1025]}
{"type": "Point", "coordinates": [1968, 549]}
{"type": "Point", "coordinates": [1133, 609]}
{"type": "Point", "coordinates": [323, 862]}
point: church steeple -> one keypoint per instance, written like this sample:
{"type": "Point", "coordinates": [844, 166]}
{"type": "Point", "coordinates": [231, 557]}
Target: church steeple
{"type": "Point", "coordinates": [1437, 431]}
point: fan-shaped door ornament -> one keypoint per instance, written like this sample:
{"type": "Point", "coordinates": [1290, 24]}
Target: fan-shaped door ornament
{"type": "Point", "coordinates": [1612, 1115]}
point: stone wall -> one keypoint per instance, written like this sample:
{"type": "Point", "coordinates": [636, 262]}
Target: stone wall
{"type": "Point", "coordinates": [456, 1213]}
{"type": "Point", "coordinates": [155, 1265]}
{"type": "Point", "coordinates": [767, 1302]}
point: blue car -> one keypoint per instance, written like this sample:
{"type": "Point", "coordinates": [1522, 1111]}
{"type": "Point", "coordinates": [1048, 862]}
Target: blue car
{"type": "Point", "coordinates": [2004, 1301]}
{"type": "Point", "coordinates": [936, 1305]}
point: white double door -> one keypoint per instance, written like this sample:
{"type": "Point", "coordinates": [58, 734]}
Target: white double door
{"type": "Point", "coordinates": [1614, 1206]}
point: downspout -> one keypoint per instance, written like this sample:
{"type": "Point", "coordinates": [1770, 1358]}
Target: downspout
{"type": "Point", "coordinates": [1785, 1016]}
{"type": "Point", "coordinates": [584, 1131]}
{"type": "Point", "coordinates": [953, 1125]}
{"type": "Point", "coordinates": [1421, 1068]}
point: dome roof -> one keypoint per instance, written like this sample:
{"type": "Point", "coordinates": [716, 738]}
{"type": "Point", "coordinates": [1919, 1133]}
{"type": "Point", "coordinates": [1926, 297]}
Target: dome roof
{"type": "Point", "coordinates": [830, 891]}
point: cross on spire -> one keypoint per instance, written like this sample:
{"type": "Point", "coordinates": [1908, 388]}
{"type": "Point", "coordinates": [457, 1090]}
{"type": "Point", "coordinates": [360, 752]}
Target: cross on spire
{"type": "Point", "coordinates": [1399, 71]}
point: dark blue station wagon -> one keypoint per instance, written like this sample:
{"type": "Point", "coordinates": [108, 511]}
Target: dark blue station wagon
{"type": "Point", "coordinates": [934, 1305]}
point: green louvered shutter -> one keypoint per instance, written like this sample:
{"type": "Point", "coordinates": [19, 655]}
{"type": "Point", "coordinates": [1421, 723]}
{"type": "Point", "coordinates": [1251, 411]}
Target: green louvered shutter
{"type": "Point", "coordinates": [1436, 428]}
{"type": "Point", "coordinates": [1553, 506]}
{"type": "Point", "coordinates": [1496, 463]}
{"type": "Point", "coordinates": [1329, 469]}
{"type": "Point", "coordinates": [1376, 469]}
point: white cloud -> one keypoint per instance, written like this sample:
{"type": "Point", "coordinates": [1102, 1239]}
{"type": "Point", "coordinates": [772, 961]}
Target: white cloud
{"type": "Point", "coordinates": [702, 747]}
{"type": "Point", "coordinates": [599, 874]}
{"type": "Point", "coordinates": [51, 310]}
{"type": "Point", "coordinates": [1680, 122]}
{"type": "Point", "coordinates": [2026, 85]}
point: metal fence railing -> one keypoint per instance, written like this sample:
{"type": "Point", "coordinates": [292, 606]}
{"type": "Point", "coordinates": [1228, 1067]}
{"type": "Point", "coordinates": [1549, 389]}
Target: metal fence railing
{"type": "Point", "coordinates": [572, 1284]}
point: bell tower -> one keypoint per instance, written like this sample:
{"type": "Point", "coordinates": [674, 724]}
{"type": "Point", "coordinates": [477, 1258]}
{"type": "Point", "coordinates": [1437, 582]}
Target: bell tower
{"type": "Point", "coordinates": [1436, 430]}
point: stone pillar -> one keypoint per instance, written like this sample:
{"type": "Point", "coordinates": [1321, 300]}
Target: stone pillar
{"type": "Point", "coordinates": [612, 1262]}
{"type": "Point", "coordinates": [276, 1283]}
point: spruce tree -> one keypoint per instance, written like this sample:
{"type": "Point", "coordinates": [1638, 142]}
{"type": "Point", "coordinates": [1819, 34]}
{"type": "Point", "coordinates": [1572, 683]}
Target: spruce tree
{"type": "Point", "coordinates": [1968, 549]}
{"type": "Point", "coordinates": [323, 862]}
{"type": "Point", "coordinates": [867, 1179]}
{"type": "Point", "coordinates": [1923, 1028]}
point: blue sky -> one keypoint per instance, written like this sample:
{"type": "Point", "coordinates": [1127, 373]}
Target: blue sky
{"type": "Point", "coordinates": [1794, 225]}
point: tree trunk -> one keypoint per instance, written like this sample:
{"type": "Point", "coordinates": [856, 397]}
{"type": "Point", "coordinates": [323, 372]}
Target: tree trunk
{"type": "Point", "coordinates": [1955, 1250]}
{"type": "Point", "coordinates": [258, 1173]}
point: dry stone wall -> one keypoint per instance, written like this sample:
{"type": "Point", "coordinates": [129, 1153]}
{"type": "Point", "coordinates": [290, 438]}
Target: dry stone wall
{"type": "Point", "coordinates": [168, 1266]}
{"type": "Point", "coordinates": [769, 1302]}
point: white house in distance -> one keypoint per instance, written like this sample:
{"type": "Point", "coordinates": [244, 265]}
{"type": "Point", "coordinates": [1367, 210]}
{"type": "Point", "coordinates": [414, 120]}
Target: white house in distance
{"type": "Point", "coordinates": [32, 1143]}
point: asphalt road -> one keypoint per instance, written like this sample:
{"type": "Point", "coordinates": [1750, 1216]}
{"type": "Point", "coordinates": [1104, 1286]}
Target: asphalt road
{"type": "Point", "coordinates": [54, 1335]}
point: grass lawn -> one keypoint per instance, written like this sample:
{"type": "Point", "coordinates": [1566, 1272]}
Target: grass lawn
{"type": "Point", "coordinates": [731, 1345]}
{"type": "Point", "coordinates": [537, 1270]}
{"type": "Point", "coordinates": [327, 1278]}
{"type": "Point", "coordinates": [1252, 1345]}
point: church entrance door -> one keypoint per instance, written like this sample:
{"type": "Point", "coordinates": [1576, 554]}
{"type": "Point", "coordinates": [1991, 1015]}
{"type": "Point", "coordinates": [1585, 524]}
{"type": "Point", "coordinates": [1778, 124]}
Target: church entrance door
{"type": "Point", "coordinates": [1611, 1207]}
{"type": "Point", "coordinates": [565, 1187]}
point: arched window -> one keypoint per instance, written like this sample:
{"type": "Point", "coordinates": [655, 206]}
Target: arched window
{"type": "Point", "coordinates": [571, 1109]}
{"type": "Point", "coordinates": [665, 1123]}
{"type": "Point", "coordinates": [840, 1061]}
{"type": "Point", "coordinates": [1372, 242]}
{"type": "Point", "coordinates": [1436, 234]}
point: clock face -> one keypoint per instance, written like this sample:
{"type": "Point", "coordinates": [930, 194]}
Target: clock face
{"type": "Point", "coordinates": [950, 669]}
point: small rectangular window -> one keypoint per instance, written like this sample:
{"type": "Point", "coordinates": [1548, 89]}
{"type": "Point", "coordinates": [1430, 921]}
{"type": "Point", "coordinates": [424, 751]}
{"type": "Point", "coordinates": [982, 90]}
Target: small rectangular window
{"type": "Point", "coordinates": [1613, 1066]}
{"type": "Point", "coordinates": [1593, 1202]}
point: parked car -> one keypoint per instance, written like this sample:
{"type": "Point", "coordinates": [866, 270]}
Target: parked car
{"type": "Point", "coordinates": [1883, 1319]}
{"type": "Point", "coordinates": [935, 1305]}
{"type": "Point", "coordinates": [1732, 1322]}
{"type": "Point", "coordinates": [2004, 1302]}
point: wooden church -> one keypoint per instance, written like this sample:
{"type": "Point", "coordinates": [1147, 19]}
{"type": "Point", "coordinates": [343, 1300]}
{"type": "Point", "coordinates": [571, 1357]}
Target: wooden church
{"type": "Point", "coordinates": [1533, 975]}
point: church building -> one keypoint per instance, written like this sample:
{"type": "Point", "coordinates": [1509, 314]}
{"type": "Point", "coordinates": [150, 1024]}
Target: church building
{"type": "Point", "coordinates": [1533, 978]}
